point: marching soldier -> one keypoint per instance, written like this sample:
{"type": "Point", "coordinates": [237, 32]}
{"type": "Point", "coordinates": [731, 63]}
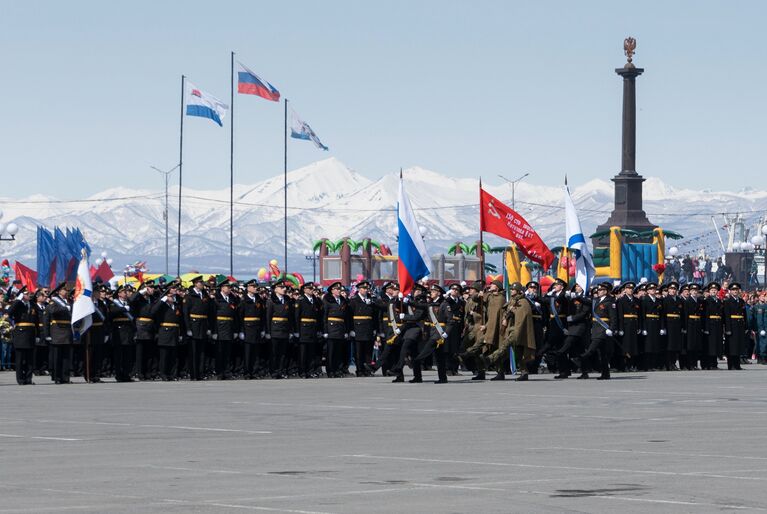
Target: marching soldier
{"type": "Point", "coordinates": [518, 334]}
{"type": "Point", "coordinates": [146, 347]}
{"type": "Point", "coordinates": [308, 317]}
{"type": "Point", "coordinates": [251, 312]}
{"type": "Point", "coordinates": [335, 329]}
{"type": "Point", "coordinates": [364, 314]}
{"type": "Point", "coordinates": [628, 311]}
{"type": "Point", "coordinates": [735, 326]}
{"type": "Point", "coordinates": [577, 331]}
{"type": "Point", "coordinates": [224, 329]}
{"type": "Point", "coordinates": [489, 335]}
{"type": "Point", "coordinates": [604, 325]}
{"type": "Point", "coordinates": [98, 335]}
{"type": "Point", "coordinates": [454, 326]}
{"type": "Point", "coordinates": [59, 333]}
{"type": "Point", "coordinates": [673, 309]}
{"type": "Point", "coordinates": [539, 322]}
{"type": "Point", "coordinates": [555, 313]}
{"type": "Point", "coordinates": [438, 314]}
{"type": "Point", "coordinates": [279, 327]}
{"type": "Point", "coordinates": [411, 328]}
{"type": "Point", "coordinates": [198, 310]}
{"type": "Point", "coordinates": [167, 314]}
{"type": "Point", "coordinates": [123, 335]}
{"type": "Point", "coordinates": [24, 335]}
{"type": "Point", "coordinates": [388, 330]}
{"type": "Point", "coordinates": [473, 316]}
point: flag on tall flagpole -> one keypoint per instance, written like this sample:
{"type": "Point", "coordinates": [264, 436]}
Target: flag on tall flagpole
{"type": "Point", "coordinates": [576, 242]}
{"type": "Point", "coordinates": [248, 83]}
{"type": "Point", "coordinates": [82, 307]}
{"type": "Point", "coordinates": [299, 129]}
{"type": "Point", "coordinates": [414, 263]}
{"type": "Point", "coordinates": [202, 104]}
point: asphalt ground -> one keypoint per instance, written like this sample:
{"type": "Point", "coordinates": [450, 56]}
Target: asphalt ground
{"type": "Point", "coordinates": [642, 442]}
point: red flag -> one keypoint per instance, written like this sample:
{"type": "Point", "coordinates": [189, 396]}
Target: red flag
{"type": "Point", "coordinates": [103, 272]}
{"type": "Point", "coordinates": [27, 276]}
{"type": "Point", "coordinates": [501, 220]}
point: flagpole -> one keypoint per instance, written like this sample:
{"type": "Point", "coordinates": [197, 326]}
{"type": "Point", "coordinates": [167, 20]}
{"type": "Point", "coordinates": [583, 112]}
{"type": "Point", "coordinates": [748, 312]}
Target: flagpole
{"type": "Point", "coordinates": [180, 175]}
{"type": "Point", "coordinates": [481, 250]}
{"type": "Point", "coordinates": [285, 136]}
{"type": "Point", "coordinates": [231, 177]}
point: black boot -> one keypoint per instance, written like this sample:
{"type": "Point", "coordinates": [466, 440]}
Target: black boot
{"type": "Point", "coordinates": [415, 380]}
{"type": "Point", "coordinates": [583, 376]}
{"type": "Point", "coordinates": [479, 376]}
{"type": "Point", "coordinates": [522, 378]}
{"type": "Point", "coordinates": [499, 376]}
{"type": "Point", "coordinates": [399, 378]}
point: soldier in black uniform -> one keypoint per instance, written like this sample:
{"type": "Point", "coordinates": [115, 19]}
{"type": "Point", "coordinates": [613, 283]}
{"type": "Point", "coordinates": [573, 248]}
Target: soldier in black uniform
{"type": "Point", "coordinates": [167, 314]}
{"type": "Point", "coordinates": [198, 312]}
{"type": "Point", "coordinates": [59, 319]}
{"type": "Point", "coordinates": [629, 311]}
{"type": "Point", "coordinates": [577, 331]}
{"type": "Point", "coordinates": [41, 344]}
{"type": "Point", "coordinates": [539, 322]}
{"type": "Point", "coordinates": [412, 328]}
{"type": "Point", "coordinates": [604, 324]}
{"type": "Point", "coordinates": [388, 330]}
{"type": "Point", "coordinates": [438, 312]}
{"type": "Point", "coordinates": [251, 318]}
{"type": "Point", "coordinates": [24, 317]}
{"type": "Point", "coordinates": [735, 326]}
{"type": "Point", "coordinates": [123, 335]}
{"type": "Point", "coordinates": [454, 327]}
{"type": "Point", "coordinates": [308, 320]}
{"type": "Point", "coordinates": [97, 336]}
{"type": "Point", "coordinates": [279, 327]}
{"type": "Point", "coordinates": [555, 305]}
{"type": "Point", "coordinates": [652, 327]}
{"type": "Point", "coordinates": [224, 329]}
{"type": "Point", "coordinates": [694, 313]}
{"type": "Point", "coordinates": [364, 314]}
{"type": "Point", "coordinates": [335, 329]}
{"type": "Point", "coordinates": [672, 322]}
{"type": "Point", "coordinates": [713, 328]}
{"type": "Point", "coordinates": [146, 347]}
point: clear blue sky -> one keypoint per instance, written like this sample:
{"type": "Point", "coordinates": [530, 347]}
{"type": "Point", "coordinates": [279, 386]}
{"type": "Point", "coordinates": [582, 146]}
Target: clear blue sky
{"type": "Point", "coordinates": [91, 89]}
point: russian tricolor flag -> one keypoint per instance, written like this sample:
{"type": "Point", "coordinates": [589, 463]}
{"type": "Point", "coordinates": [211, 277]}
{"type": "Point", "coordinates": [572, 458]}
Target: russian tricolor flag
{"type": "Point", "coordinates": [414, 262]}
{"type": "Point", "coordinates": [248, 83]}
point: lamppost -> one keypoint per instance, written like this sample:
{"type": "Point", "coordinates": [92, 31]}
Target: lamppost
{"type": "Point", "coordinates": [311, 256]}
{"type": "Point", "coordinates": [513, 188]}
{"type": "Point", "coordinates": [8, 232]}
{"type": "Point", "coordinates": [165, 212]}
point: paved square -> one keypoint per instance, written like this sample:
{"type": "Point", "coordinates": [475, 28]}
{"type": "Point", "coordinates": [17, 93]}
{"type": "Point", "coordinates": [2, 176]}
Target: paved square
{"type": "Point", "coordinates": [657, 442]}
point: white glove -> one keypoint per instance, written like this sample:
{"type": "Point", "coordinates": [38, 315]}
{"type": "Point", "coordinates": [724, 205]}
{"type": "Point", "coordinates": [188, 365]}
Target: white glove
{"type": "Point", "coordinates": [263, 333]}
{"type": "Point", "coordinates": [207, 332]}
{"type": "Point", "coordinates": [639, 332]}
{"type": "Point", "coordinates": [728, 333]}
{"type": "Point", "coordinates": [443, 335]}
{"type": "Point", "coordinates": [164, 299]}
{"type": "Point", "coordinates": [400, 295]}
{"type": "Point", "coordinates": [609, 332]}
{"type": "Point", "coordinates": [296, 336]}
{"type": "Point", "coordinates": [214, 337]}
{"type": "Point", "coordinates": [180, 338]}
{"type": "Point", "coordinates": [401, 315]}
{"type": "Point", "coordinates": [352, 334]}
{"type": "Point", "coordinates": [242, 336]}
{"type": "Point", "coordinates": [48, 338]}
{"type": "Point", "coordinates": [644, 332]}
{"type": "Point", "coordinates": [620, 332]}
{"type": "Point", "coordinates": [406, 299]}
{"type": "Point", "coordinates": [538, 305]}
{"type": "Point", "coordinates": [662, 332]}
{"type": "Point", "coordinates": [142, 291]}
{"type": "Point", "coordinates": [762, 333]}
{"type": "Point", "coordinates": [397, 331]}
{"type": "Point", "coordinates": [324, 336]}
{"type": "Point", "coordinates": [106, 338]}
{"type": "Point", "coordinates": [189, 333]}
{"type": "Point", "coordinates": [37, 339]}
{"type": "Point", "coordinates": [346, 336]}
{"type": "Point", "coordinates": [381, 335]}
{"type": "Point", "coordinates": [569, 319]}
{"type": "Point", "coordinates": [268, 336]}
{"type": "Point", "coordinates": [565, 332]}
{"type": "Point", "coordinates": [684, 331]}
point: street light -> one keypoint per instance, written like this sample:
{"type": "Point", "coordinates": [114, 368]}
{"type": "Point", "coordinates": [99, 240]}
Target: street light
{"type": "Point", "coordinates": [513, 188]}
{"type": "Point", "coordinates": [165, 212]}
{"type": "Point", "coordinates": [8, 232]}
{"type": "Point", "coordinates": [311, 256]}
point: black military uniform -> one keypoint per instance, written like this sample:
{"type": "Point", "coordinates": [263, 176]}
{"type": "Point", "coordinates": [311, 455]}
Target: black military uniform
{"type": "Point", "coordinates": [604, 324]}
{"type": "Point", "coordinates": [652, 324]}
{"type": "Point", "coordinates": [166, 313]}
{"type": "Point", "coordinates": [555, 305]}
{"type": "Point", "coordinates": [97, 338]}
{"type": "Point", "coordinates": [629, 313]}
{"type": "Point", "coordinates": [59, 320]}
{"type": "Point", "coordinates": [279, 327]}
{"type": "Point", "coordinates": [672, 322]}
{"type": "Point", "coordinates": [24, 317]}
{"type": "Point", "coordinates": [41, 342]}
{"type": "Point", "coordinates": [141, 302]}
{"type": "Point", "coordinates": [438, 313]}
{"type": "Point", "coordinates": [454, 327]}
{"type": "Point", "coordinates": [713, 328]}
{"type": "Point", "coordinates": [388, 328]}
{"type": "Point", "coordinates": [198, 312]}
{"type": "Point", "coordinates": [364, 314]}
{"type": "Point", "coordinates": [225, 329]}
{"type": "Point", "coordinates": [308, 320]}
{"type": "Point", "coordinates": [576, 334]}
{"type": "Point", "coordinates": [735, 327]}
{"type": "Point", "coordinates": [335, 330]}
{"type": "Point", "coordinates": [540, 318]}
{"type": "Point", "coordinates": [412, 328]}
{"type": "Point", "coordinates": [123, 333]}
{"type": "Point", "coordinates": [693, 314]}
{"type": "Point", "coordinates": [251, 313]}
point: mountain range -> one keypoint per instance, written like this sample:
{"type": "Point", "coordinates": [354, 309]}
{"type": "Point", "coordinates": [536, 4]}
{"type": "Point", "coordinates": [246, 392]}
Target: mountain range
{"type": "Point", "coordinates": [328, 199]}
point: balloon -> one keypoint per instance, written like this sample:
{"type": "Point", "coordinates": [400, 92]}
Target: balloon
{"type": "Point", "coordinates": [261, 275]}
{"type": "Point", "coordinates": [360, 277]}
{"type": "Point", "coordinates": [274, 268]}
{"type": "Point", "coordinates": [300, 278]}
{"type": "Point", "coordinates": [267, 276]}
{"type": "Point", "coordinates": [290, 278]}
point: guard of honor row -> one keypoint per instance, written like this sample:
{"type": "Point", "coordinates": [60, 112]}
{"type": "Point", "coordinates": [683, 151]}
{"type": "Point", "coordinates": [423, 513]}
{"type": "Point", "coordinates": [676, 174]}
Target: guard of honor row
{"type": "Point", "coordinates": [230, 330]}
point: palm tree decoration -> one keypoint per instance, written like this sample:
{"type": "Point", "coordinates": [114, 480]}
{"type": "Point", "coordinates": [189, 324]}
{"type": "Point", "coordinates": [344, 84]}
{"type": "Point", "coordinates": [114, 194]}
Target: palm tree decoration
{"type": "Point", "coordinates": [458, 246]}
{"type": "Point", "coordinates": [473, 248]}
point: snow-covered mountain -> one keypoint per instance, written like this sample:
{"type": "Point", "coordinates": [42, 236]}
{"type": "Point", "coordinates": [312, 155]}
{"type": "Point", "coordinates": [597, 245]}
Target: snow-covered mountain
{"type": "Point", "coordinates": [328, 199]}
